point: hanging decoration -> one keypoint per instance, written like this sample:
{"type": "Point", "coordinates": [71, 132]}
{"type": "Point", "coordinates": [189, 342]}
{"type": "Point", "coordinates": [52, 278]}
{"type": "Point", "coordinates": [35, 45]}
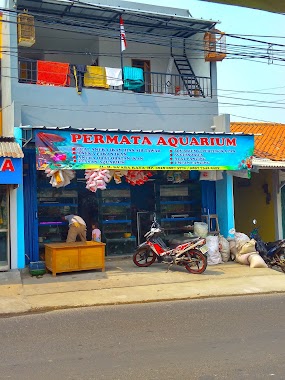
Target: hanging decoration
{"type": "Point", "coordinates": [137, 177]}
{"type": "Point", "coordinates": [211, 175]}
{"type": "Point", "coordinates": [118, 174]}
{"type": "Point", "coordinates": [215, 45]}
{"type": "Point", "coordinates": [97, 179]}
{"type": "Point", "coordinates": [60, 178]}
{"type": "Point", "coordinates": [176, 176]}
{"type": "Point", "coordinates": [26, 29]}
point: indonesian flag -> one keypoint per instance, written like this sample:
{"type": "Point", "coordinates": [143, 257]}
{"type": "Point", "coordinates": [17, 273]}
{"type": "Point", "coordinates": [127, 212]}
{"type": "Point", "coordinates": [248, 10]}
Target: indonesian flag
{"type": "Point", "coordinates": [123, 35]}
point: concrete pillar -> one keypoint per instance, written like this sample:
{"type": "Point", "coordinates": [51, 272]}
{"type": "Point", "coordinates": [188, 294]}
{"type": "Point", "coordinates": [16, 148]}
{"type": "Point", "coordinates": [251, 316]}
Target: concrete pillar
{"type": "Point", "coordinates": [225, 203]}
{"type": "Point", "coordinates": [222, 123]}
{"type": "Point", "coordinates": [17, 220]}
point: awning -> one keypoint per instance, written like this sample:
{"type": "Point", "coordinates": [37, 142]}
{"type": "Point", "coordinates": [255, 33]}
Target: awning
{"type": "Point", "coordinates": [28, 131]}
{"type": "Point", "coordinates": [10, 149]}
{"type": "Point", "coordinates": [139, 19]}
{"type": "Point", "coordinates": [265, 163]}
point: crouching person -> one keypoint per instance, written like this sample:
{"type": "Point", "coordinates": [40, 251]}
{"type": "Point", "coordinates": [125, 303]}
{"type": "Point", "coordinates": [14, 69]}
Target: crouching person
{"type": "Point", "coordinates": [77, 227]}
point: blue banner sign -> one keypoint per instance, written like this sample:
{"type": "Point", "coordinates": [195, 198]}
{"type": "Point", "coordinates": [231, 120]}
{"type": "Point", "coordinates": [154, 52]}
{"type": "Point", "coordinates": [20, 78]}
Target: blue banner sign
{"type": "Point", "coordinates": [11, 170]}
{"type": "Point", "coordinates": [135, 151]}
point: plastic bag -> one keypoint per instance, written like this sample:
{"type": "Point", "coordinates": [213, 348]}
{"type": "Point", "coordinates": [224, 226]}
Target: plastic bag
{"type": "Point", "coordinates": [256, 261]}
{"type": "Point", "coordinates": [214, 256]}
{"type": "Point", "coordinates": [233, 248]}
{"type": "Point", "coordinates": [201, 229]}
{"type": "Point", "coordinates": [241, 239]}
{"type": "Point", "coordinates": [224, 248]}
{"type": "Point", "coordinates": [211, 175]}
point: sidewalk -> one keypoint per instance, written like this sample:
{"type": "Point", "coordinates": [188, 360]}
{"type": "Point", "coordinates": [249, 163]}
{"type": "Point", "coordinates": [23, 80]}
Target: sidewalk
{"type": "Point", "coordinates": [124, 283]}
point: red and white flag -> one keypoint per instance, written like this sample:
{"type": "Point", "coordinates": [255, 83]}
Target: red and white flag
{"type": "Point", "coordinates": [123, 35]}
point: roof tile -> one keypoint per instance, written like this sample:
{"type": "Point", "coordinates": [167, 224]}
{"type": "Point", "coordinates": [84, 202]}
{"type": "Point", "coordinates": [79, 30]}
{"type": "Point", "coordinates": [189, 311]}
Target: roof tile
{"type": "Point", "coordinates": [269, 138]}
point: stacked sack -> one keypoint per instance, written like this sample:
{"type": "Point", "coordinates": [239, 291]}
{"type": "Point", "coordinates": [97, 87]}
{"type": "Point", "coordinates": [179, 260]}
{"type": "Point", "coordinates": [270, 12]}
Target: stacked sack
{"type": "Point", "coordinates": [213, 255]}
{"type": "Point", "coordinates": [219, 249]}
{"type": "Point", "coordinates": [224, 247]}
{"type": "Point", "coordinates": [97, 179]}
{"type": "Point", "coordinates": [245, 251]}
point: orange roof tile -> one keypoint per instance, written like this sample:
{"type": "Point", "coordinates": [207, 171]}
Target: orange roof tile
{"type": "Point", "coordinates": [271, 142]}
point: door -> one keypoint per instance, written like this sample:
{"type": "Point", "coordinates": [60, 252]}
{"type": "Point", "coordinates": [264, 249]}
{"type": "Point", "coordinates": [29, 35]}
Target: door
{"type": "Point", "coordinates": [4, 228]}
{"type": "Point", "coordinates": [143, 207]}
{"type": "Point", "coordinates": [145, 65]}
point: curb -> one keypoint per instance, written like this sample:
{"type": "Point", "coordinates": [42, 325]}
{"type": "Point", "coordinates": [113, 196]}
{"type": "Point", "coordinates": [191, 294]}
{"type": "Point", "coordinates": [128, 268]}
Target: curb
{"type": "Point", "coordinates": [46, 309]}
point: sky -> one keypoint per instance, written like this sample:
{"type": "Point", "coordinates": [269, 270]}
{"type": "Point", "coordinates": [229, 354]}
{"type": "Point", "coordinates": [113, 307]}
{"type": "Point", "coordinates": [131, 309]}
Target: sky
{"type": "Point", "coordinates": [255, 91]}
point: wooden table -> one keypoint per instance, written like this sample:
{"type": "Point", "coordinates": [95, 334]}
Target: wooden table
{"type": "Point", "coordinates": [70, 257]}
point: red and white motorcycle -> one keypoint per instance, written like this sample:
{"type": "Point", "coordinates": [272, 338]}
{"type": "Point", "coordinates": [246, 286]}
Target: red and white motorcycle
{"type": "Point", "coordinates": [191, 255]}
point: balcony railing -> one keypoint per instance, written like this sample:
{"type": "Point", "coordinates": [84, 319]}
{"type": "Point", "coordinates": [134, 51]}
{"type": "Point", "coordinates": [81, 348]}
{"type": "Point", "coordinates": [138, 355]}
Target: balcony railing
{"type": "Point", "coordinates": [154, 82]}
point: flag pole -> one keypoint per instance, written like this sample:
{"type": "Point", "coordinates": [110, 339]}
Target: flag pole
{"type": "Point", "coordinates": [122, 47]}
{"type": "Point", "coordinates": [122, 66]}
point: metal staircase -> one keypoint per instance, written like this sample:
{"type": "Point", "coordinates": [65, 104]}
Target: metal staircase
{"type": "Point", "coordinates": [188, 76]}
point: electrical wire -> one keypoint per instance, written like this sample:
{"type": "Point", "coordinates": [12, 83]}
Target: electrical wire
{"type": "Point", "coordinates": [266, 56]}
{"type": "Point", "coordinates": [222, 103]}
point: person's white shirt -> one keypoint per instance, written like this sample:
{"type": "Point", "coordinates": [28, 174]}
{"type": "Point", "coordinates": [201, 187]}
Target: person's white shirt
{"type": "Point", "coordinates": [74, 219]}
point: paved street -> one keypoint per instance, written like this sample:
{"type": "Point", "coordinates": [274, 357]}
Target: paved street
{"type": "Point", "coordinates": [218, 338]}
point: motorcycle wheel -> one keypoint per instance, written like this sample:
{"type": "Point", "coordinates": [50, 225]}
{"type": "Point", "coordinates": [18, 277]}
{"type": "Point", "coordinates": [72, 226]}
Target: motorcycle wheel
{"type": "Point", "coordinates": [144, 257]}
{"type": "Point", "coordinates": [199, 264]}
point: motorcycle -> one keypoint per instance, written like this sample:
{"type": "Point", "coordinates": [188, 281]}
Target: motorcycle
{"type": "Point", "coordinates": [191, 255]}
{"type": "Point", "coordinates": [273, 253]}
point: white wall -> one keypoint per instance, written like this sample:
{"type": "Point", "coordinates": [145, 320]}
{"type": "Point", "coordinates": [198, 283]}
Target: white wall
{"type": "Point", "coordinates": [109, 51]}
{"type": "Point", "coordinates": [59, 106]}
{"type": "Point", "coordinates": [9, 69]}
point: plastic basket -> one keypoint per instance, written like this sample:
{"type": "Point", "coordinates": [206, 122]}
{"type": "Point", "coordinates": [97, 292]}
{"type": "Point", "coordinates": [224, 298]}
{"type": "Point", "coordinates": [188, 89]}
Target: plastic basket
{"type": "Point", "coordinates": [37, 268]}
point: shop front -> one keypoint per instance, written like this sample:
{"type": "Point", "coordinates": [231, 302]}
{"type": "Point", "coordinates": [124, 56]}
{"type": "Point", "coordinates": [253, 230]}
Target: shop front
{"type": "Point", "coordinates": [118, 179]}
{"type": "Point", "coordinates": [10, 180]}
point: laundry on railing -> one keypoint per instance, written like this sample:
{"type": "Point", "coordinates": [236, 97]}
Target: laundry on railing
{"type": "Point", "coordinates": [95, 76]}
{"type": "Point", "coordinates": [114, 76]}
{"type": "Point", "coordinates": [53, 73]}
{"type": "Point", "coordinates": [78, 72]}
{"type": "Point", "coordinates": [133, 78]}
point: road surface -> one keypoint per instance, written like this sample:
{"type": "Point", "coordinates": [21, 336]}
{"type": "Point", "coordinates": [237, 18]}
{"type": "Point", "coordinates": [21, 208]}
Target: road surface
{"type": "Point", "coordinates": [220, 338]}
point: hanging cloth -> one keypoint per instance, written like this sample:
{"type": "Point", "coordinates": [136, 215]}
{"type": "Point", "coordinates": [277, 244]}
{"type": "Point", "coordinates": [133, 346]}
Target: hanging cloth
{"type": "Point", "coordinates": [95, 76]}
{"type": "Point", "coordinates": [133, 78]}
{"type": "Point", "coordinates": [53, 73]}
{"type": "Point", "coordinates": [78, 72]}
{"type": "Point", "coordinates": [114, 76]}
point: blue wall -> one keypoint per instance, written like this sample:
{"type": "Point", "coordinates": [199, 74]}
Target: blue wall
{"type": "Point", "coordinates": [20, 214]}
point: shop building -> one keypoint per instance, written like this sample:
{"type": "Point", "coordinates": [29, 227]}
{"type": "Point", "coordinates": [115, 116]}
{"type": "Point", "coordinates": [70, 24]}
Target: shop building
{"type": "Point", "coordinates": [118, 179]}
{"type": "Point", "coordinates": [262, 197]}
{"type": "Point", "coordinates": [122, 66]}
